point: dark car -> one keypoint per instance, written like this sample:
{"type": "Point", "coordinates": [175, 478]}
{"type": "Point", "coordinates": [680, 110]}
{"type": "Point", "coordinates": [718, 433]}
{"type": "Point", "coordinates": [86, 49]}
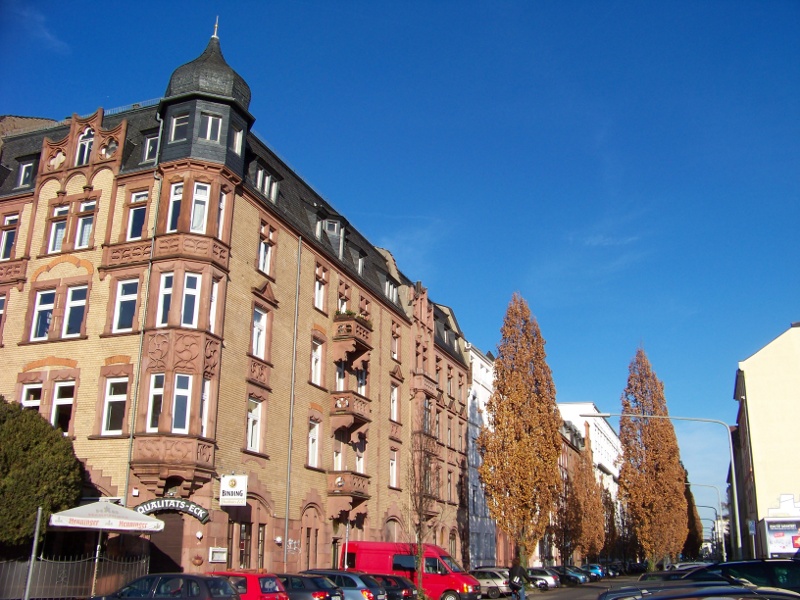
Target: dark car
{"type": "Point", "coordinates": [686, 590]}
{"type": "Point", "coordinates": [310, 587]}
{"type": "Point", "coordinates": [397, 587]}
{"type": "Point", "coordinates": [568, 577]}
{"type": "Point", "coordinates": [773, 572]}
{"type": "Point", "coordinates": [356, 585]}
{"type": "Point", "coordinates": [255, 586]}
{"type": "Point", "coordinates": [176, 585]}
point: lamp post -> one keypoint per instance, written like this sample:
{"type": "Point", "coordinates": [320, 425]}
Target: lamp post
{"type": "Point", "coordinates": [717, 535]}
{"type": "Point", "coordinates": [737, 546]}
{"type": "Point", "coordinates": [719, 505]}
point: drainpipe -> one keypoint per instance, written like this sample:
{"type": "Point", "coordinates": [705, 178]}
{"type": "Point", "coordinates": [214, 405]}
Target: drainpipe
{"type": "Point", "coordinates": [143, 317]}
{"type": "Point", "coordinates": [291, 403]}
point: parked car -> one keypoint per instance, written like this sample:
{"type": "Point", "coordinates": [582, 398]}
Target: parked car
{"type": "Point", "coordinates": [553, 581]}
{"type": "Point", "coordinates": [397, 587]}
{"type": "Point", "coordinates": [310, 587]}
{"type": "Point", "coordinates": [356, 585]}
{"type": "Point", "coordinates": [176, 585]}
{"type": "Point", "coordinates": [596, 569]}
{"type": "Point", "coordinates": [494, 581]}
{"type": "Point", "coordinates": [677, 575]}
{"type": "Point", "coordinates": [255, 586]}
{"type": "Point", "coordinates": [554, 573]}
{"type": "Point", "coordinates": [684, 590]}
{"type": "Point", "coordinates": [571, 577]}
{"type": "Point", "coordinates": [589, 574]}
{"type": "Point", "coordinates": [774, 572]}
{"type": "Point", "coordinates": [685, 565]}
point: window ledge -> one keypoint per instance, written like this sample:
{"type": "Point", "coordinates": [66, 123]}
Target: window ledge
{"type": "Point", "coordinates": [396, 489]}
{"type": "Point", "coordinates": [255, 453]}
{"type": "Point", "coordinates": [317, 469]}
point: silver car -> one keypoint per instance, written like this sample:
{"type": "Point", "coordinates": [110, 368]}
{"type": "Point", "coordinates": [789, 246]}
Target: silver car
{"type": "Point", "coordinates": [542, 573]}
{"type": "Point", "coordinates": [494, 581]}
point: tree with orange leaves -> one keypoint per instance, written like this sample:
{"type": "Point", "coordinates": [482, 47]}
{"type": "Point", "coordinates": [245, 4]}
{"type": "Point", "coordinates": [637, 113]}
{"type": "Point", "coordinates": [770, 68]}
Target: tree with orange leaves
{"type": "Point", "coordinates": [651, 477]}
{"type": "Point", "coordinates": [521, 445]}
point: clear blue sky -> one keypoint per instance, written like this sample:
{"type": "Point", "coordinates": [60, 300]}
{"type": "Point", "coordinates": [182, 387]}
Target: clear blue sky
{"type": "Point", "coordinates": [631, 168]}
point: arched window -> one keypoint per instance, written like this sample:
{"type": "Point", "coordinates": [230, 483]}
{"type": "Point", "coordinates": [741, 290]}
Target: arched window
{"type": "Point", "coordinates": [84, 147]}
{"type": "Point", "coordinates": [391, 531]}
{"type": "Point", "coordinates": [452, 545]}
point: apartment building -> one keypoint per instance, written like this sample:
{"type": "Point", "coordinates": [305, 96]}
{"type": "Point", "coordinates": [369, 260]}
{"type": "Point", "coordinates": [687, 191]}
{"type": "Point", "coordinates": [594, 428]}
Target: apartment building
{"type": "Point", "coordinates": [225, 350]}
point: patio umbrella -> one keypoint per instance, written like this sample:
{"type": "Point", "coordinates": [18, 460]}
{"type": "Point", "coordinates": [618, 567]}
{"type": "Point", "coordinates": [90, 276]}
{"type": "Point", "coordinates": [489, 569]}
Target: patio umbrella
{"type": "Point", "coordinates": [105, 516]}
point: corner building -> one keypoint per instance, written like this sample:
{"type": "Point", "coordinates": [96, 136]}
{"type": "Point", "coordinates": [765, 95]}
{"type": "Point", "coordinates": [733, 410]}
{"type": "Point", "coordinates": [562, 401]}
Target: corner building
{"type": "Point", "coordinates": [185, 308]}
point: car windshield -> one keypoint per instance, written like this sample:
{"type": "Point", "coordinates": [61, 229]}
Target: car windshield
{"type": "Point", "coordinates": [370, 581]}
{"type": "Point", "coordinates": [451, 564]}
{"type": "Point", "coordinates": [268, 584]}
{"type": "Point", "coordinates": [219, 587]}
{"type": "Point", "coordinates": [324, 583]}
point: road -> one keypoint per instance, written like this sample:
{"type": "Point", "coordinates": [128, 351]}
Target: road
{"type": "Point", "coordinates": [587, 591]}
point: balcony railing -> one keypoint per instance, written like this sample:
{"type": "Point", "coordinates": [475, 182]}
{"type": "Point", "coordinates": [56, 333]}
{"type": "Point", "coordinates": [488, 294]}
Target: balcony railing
{"type": "Point", "coordinates": [350, 411]}
{"type": "Point", "coordinates": [348, 483]}
{"type": "Point", "coordinates": [352, 337]}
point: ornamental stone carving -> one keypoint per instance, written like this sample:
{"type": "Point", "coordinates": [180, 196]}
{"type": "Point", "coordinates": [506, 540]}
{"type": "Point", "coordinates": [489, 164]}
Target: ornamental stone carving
{"type": "Point", "coordinates": [187, 349]}
{"type": "Point", "coordinates": [157, 351]}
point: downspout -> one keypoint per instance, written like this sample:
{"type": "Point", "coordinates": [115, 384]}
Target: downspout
{"type": "Point", "coordinates": [291, 403]}
{"type": "Point", "coordinates": [143, 317]}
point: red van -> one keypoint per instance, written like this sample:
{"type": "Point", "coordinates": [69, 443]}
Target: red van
{"type": "Point", "coordinates": [442, 577]}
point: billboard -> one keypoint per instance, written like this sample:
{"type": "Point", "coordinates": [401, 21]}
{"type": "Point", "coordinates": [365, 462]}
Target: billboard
{"type": "Point", "coordinates": [783, 537]}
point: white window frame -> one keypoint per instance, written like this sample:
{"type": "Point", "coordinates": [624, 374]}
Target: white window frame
{"type": "Point", "coordinates": [264, 255]}
{"type": "Point", "coordinates": [157, 383]}
{"type": "Point", "coordinates": [179, 122]}
{"type": "Point", "coordinates": [259, 344]}
{"type": "Point", "coordinates": [109, 401]}
{"type": "Point", "coordinates": [341, 376]}
{"type": "Point", "coordinates": [319, 294]}
{"type": "Point", "coordinates": [361, 381]}
{"type": "Point", "coordinates": [254, 407]}
{"type": "Point", "coordinates": [394, 412]}
{"type": "Point", "coordinates": [181, 394]}
{"type": "Point", "coordinates": [174, 213]}
{"type": "Point", "coordinates": [165, 290]}
{"type": "Point", "coordinates": [72, 304]}
{"type": "Point", "coordinates": [313, 443]}
{"type": "Point", "coordinates": [59, 402]}
{"type": "Point", "coordinates": [26, 389]}
{"type": "Point", "coordinates": [56, 242]}
{"type": "Point", "coordinates": [83, 234]}
{"type": "Point", "coordinates": [237, 137]}
{"type": "Point", "coordinates": [391, 290]}
{"type": "Point", "coordinates": [360, 462]}
{"type": "Point", "coordinates": [9, 236]}
{"type": "Point", "coordinates": [199, 216]}
{"type": "Point", "coordinates": [191, 295]}
{"type": "Point", "coordinates": [84, 150]}
{"type": "Point", "coordinates": [263, 180]}
{"type": "Point", "coordinates": [41, 310]}
{"type": "Point", "coordinates": [393, 468]}
{"type": "Point", "coordinates": [210, 127]}
{"type": "Point", "coordinates": [221, 215]}
{"type": "Point", "coordinates": [138, 206]}
{"type": "Point", "coordinates": [2, 312]}
{"type": "Point", "coordinates": [150, 147]}
{"type": "Point", "coordinates": [212, 306]}
{"type": "Point", "coordinates": [316, 362]}
{"type": "Point", "coordinates": [25, 178]}
{"type": "Point", "coordinates": [205, 399]}
{"type": "Point", "coordinates": [395, 346]}
{"type": "Point", "coordinates": [120, 300]}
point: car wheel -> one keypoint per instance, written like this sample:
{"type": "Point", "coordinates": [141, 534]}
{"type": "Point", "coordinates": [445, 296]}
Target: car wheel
{"type": "Point", "coordinates": [493, 592]}
{"type": "Point", "coordinates": [451, 596]}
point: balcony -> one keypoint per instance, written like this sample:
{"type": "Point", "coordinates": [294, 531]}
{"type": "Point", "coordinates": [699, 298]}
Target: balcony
{"type": "Point", "coordinates": [13, 271]}
{"type": "Point", "coordinates": [156, 458]}
{"type": "Point", "coordinates": [347, 492]}
{"type": "Point", "coordinates": [351, 411]}
{"type": "Point", "coordinates": [423, 383]}
{"type": "Point", "coordinates": [352, 338]}
{"type": "Point", "coordinates": [193, 247]}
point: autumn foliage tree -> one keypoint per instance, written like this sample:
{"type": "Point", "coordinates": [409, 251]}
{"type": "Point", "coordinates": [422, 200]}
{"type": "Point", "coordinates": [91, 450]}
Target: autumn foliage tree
{"type": "Point", "coordinates": [612, 537]}
{"type": "Point", "coordinates": [521, 445]}
{"type": "Point", "coordinates": [651, 476]}
{"type": "Point", "coordinates": [591, 500]}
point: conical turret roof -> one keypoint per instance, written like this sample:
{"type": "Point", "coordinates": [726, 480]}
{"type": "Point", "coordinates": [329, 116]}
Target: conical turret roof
{"type": "Point", "coordinates": [209, 74]}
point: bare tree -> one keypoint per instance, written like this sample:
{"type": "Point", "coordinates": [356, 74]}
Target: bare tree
{"type": "Point", "coordinates": [521, 445]}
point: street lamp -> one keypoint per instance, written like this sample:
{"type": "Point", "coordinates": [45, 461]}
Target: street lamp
{"type": "Point", "coordinates": [717, 532]}
{"type": "Point", "coordinates": [737, 547]}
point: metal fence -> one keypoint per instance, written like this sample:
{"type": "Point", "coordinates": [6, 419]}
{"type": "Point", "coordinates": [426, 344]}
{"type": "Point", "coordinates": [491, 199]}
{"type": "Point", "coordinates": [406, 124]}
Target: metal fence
{"type": "Point", "coordinates": [68, 577]}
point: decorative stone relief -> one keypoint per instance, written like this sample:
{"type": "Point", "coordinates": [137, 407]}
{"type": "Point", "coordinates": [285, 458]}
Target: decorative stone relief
{"type": "Point", "coordinates": [211, 358]}
{"type": "Point", "coordinates": [157, 351]}
{"type": "Point", "coordinates": [187, 349]}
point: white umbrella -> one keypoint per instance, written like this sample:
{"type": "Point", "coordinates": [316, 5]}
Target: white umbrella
{"type": "Point", "coordinates": [105, 516]}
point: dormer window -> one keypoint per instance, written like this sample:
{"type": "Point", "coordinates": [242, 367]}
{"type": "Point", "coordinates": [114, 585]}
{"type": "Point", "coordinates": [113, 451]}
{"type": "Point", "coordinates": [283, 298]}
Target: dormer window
{"type": "Point", "coordinates": [266, 183]}
{"type": "Point", "coordinates": [237, 135]}
{"type": "Point", "coordinates": [210, 126]}
{"type": "Point", "coordinates": [332, 227]}
{"type": "Point", "coordinates": [25, 174]}
{"type": "Point", "coordinates": [179, 129]}
{"type": "Point", "coordinates": [390, 290]}
{"type": "Point", "coordinates": [84, 147]}
{"type": "Point", "coordinates": [150, 148]}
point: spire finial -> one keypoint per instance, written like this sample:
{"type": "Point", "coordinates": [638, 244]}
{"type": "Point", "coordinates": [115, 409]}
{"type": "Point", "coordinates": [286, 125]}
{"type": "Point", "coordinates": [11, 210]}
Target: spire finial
{"type": "Point", "coordinates": [216, 26]}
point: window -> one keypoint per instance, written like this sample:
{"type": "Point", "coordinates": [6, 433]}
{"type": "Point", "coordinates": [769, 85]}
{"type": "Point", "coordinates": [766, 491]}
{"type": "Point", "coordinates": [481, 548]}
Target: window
{"type": "Point", "coordinates": [361, 381]}
{"type": "Point", "coordinates": [316, 362]}
{"type": "Point", "coordinates": [84, 147]}
{"type": "Point", "coordinates": [259, 333]}
{"type": "Point", "coordinates": [265, 243]}
{"type": "Point", "coordinates": [136, 216]}
{"type": "Point", "coordinates": [331, 227]}
{"type": "Point", "coordinates": [58, 228]}
{"type": "Point", "coordinates": [199, 208]}
{"type": "Point", "coordinates": [150, 148]}
{"type": "Point", "coordinates": [341, 376]}
{"type": "Point", "coordinates": [449, 432]}
{"type": "Point", "coordinates": [31, 395]}
{"type": "Point", "coordinates": [156, 401]}
{"type": "Point", "coordinates": [393, 408]}
{"type": "Point", "coordinates": [175, 197]}
{"type": "Point", "coordinates": [339, 442]}
{"type": "Point", "coordinates": [114, 406]}
{"type": "Point", "coordinates": [125, 305]}
{"type": "Point", "coordinates": [320, 285]}
{"type": "Point", "coordinates": [210, 126]}
{"type": "Point", "coordinates": [42, 314]}
{"type": "Point", "coordinates": [221, 215]}
{"type": "Point", "coordinates": [253, 425]}
{"type": "Point", "coordinates": [63, 399]}
{"type": "Point", "coordinates": [360, 264]}
{"type": "Point", "coordinates": [393, 468]}
{"type": "Point", "coordinates": [164, 299]}
{"type": "Point", "coordinates": [8, 236]}
{"type": "Point", "coordinates": [191, 290]}
{"type": "Point", "coordinates": [395, 343]}
{"type": "Point", "coordinates": [74, 311]}
{"type": "Point", "coordinates": [212, 307]}
{"type": "Point", "coordinates": [237, 135]}
{"type": "Point", "coordinates": [344, 296]}
{"type": "Point", "coordinates": [180, 128]}
{"type": "Point", "coordinates": [390, 290]}
{"type": "Point", "coordinates": [263, 180]}
{"type": "Point", "coordinates": [25, 174]}
{"type": "Point", "coordinates": [205, 398]}
{"type": "Point", "coordinates": [449, 486]}
{"type": "Point", "coordinates": [2, 315]}
{"type": "Point", "coordinates": [85, 222]}
{"type": "Point", "coordinates": [360, 462]}
{"type": "Point", "coordinates": [313, 443]}
{"type": "Point", "coordinates": [180, 403]}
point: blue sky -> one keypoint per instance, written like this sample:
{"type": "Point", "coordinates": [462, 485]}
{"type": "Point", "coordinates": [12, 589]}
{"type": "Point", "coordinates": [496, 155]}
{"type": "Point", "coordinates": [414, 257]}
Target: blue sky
{"type": "Point", "coordinates": [631, 168]}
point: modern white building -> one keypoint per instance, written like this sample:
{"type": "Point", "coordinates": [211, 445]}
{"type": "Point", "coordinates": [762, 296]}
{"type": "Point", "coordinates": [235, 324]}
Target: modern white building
{"type": "Point", "coordinates": [768, 473]}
